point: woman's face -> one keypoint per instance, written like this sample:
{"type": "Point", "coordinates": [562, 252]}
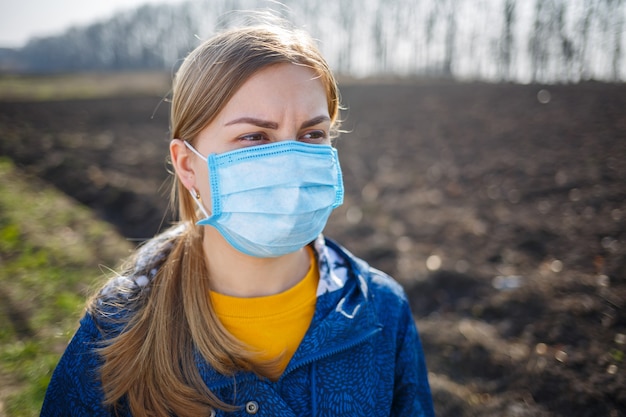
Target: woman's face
{"type": "Point", "coordinates": [280, 102]}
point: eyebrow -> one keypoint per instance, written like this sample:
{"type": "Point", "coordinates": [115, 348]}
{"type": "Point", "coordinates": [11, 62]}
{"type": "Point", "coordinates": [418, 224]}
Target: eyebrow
{"type": "Point", "coordinates": [273, 125]}
{"type": "Point", "coordinates": [315, 121]}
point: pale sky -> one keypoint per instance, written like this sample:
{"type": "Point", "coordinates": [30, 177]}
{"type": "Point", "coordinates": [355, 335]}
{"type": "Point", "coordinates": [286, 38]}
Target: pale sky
{"type": "Point", "coordinates": [22, 19]}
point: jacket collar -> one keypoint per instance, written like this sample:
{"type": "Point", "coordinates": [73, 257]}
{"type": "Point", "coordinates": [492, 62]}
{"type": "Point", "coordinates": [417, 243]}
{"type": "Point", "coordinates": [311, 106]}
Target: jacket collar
{"type": "Point", "coordinates": [343, 316]}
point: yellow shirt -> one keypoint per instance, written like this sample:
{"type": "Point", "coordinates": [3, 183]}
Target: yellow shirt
{"type": "Point", "coordinates": [275, 324]}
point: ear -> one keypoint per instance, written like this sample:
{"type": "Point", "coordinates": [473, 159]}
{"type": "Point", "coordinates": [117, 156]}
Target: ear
{"type": "Point", "coordinates": [181, 160]}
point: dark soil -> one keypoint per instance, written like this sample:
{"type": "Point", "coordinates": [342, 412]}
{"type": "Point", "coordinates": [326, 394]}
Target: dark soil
{"type": "Point", "coordinates": [502, 213]}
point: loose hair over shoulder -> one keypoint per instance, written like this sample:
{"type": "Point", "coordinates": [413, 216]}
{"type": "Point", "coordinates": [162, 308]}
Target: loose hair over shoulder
{"type": "Point", "coordinates": [150, 366]}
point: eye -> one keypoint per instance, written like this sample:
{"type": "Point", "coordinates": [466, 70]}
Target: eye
{"type": "Point", "coordinates": [253, 137]}
{"type": "Point", "coordinates": [314, 136]}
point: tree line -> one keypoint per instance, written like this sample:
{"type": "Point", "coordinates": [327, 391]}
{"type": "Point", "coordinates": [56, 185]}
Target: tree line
{"type": "Point", "coordinates": [490, 40]}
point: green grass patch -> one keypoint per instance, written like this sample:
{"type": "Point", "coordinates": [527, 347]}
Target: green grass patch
{"type": "Point", "coordinates": [53, 252]}
{"type": "Point", "coordinates": [19, 87]}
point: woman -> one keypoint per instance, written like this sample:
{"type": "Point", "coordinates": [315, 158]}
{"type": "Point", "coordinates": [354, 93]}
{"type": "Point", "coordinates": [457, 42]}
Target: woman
{"type": "Point", "coordinates": [244, 307]}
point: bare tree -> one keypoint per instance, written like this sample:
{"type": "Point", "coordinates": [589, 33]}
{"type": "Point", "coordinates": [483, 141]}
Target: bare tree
{"type": "Point", "coordinates": [567, 40]}
{"type": "Point", "coordinates": [506, 45]}
{"type": "Point", "coordinates": [448, 7]}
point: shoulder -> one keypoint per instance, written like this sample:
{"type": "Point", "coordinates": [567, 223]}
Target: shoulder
{"type": "Point", "coordinates": [74, 387]}
{"type": "Point", "coordinates": [384, 285]}
{"type": "Point", "coordinates": [378, 287]}
{"type": "Point", "coordinates": [389, 299]}
{"type": "Point", "coordinates": [126, 292]}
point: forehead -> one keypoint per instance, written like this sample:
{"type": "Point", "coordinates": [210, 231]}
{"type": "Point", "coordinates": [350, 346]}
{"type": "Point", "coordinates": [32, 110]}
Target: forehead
{"type": "Point", "coordinates": [279, 86]}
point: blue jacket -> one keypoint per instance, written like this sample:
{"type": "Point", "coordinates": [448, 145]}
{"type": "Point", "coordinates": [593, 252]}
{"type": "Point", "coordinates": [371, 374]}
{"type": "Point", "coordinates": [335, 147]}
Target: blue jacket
{"type": "Point", "coordinates": [360, 357]}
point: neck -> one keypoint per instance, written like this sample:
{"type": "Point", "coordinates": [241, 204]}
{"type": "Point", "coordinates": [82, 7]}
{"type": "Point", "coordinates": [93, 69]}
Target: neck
{"type": "Point", "coordinates": [239, 275]}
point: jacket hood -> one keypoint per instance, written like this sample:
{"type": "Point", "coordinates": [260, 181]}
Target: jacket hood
{"type": "Point", "coordinates": [335, 265]}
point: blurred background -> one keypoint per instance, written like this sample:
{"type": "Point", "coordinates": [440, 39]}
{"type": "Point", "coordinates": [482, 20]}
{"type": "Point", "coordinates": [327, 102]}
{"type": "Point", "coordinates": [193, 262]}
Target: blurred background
{"type": "Point", "coordinates": [490, 40]}
{"type": "Point", "coordinates": [484, 161]}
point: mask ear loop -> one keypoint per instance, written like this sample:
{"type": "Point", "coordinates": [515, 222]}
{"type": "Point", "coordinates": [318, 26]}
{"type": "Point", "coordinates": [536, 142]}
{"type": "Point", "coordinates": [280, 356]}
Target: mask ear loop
{"type": "Point", "coordinates": [194, 150]}
{"type": "Point", "coordinates": [195, 194]}
{"type": "Point", "coordinates": [196, 197]}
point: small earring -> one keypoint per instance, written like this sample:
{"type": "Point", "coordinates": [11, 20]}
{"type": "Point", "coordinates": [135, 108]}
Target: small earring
{"type": "Point", "coordinates": [195, 193]}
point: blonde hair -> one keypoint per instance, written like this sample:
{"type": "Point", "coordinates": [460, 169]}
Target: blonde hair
{"type": "Point", "coordinates": [150, 365]}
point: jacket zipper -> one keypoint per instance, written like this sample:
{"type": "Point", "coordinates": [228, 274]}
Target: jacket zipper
{"type": "Point", "coordinates": [330, 352]}
{"type": "Point", "coordinates": [322, 355]}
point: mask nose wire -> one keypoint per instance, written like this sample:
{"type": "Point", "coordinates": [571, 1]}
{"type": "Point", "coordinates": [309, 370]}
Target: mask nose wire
{"type": "Point", "coordinates": [188, 145]}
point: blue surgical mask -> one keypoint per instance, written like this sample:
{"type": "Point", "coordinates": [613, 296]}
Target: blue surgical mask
{"type": "Point", "coordinates": [271, 200]}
